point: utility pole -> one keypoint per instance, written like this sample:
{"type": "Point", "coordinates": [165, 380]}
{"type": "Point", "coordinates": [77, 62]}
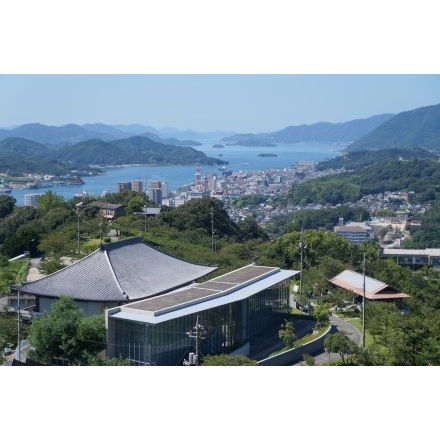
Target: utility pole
{"type": "Point", "coordinates": [197, 333]}
{"type": "Point", "coordinates": [301, 248]}
{"type": "Point", "coordinates": [76, 211]}
{"type": "Point", "coordinates": [18, 325]}
{"type": "Point", "coordinates": [18, 312]}
{"type": "Point", "coordinates": [363, 304]}
{"type": "Point", "coordinates": [212, 230]}
{"type": "Point", "coordinates": [145, 218]}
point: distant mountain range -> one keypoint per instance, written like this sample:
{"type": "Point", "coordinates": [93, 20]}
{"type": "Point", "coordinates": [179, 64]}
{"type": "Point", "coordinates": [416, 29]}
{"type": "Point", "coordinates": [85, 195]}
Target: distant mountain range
{"type": "Point", "coordinates": [418, 128]}
{"type": "Point", "coordinates": [71, 134]}
{"type": "Point", "coordinates": [321, 132]}
{"type": "Point", "coordinates": [31, 147]}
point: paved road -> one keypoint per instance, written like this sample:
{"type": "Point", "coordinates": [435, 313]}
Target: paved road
{"type": "Point", "coordinates": [342, 326]}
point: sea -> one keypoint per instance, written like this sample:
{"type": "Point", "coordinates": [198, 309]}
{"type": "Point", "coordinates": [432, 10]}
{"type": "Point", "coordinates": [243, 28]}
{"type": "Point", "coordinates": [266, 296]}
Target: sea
{"type": "Point", "coordinates": [239, 158]}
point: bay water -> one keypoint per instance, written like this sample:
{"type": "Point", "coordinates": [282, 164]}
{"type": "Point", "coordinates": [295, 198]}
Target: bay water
{"type": "Point", "coordinates": [240, 158]}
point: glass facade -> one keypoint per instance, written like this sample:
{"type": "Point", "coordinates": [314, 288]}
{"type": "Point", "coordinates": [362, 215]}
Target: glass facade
{"type": "Point", "coordinates": [227, 328]}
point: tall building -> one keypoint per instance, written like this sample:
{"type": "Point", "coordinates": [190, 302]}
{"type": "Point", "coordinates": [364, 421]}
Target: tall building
{"type": "Point", "coordinates": [155, 184]}
{"type": "Point", "coordinates": [120, 186]}
{"type": "Point", "coordinates": [165, 189]}
{"type": "Point", "coordinates": [137, 185]}
{"type": "Point", "coordinates": [155, 195]}
{"type": "Point", "coordinates": [31, 199]}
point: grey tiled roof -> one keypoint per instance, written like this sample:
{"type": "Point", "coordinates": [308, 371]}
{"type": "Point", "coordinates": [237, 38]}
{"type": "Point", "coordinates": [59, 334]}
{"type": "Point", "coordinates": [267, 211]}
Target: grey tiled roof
{"type": "Point", "coordinates": [129, 268]}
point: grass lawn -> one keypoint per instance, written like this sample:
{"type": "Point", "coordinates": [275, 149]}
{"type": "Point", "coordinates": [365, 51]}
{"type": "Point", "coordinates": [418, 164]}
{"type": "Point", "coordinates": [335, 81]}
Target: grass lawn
{"type": "Point", "coordinates": [9, 274]}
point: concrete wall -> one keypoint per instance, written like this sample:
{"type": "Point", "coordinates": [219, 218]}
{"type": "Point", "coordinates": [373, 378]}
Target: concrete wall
{"type": "Point", "coordinates": [294, 355]}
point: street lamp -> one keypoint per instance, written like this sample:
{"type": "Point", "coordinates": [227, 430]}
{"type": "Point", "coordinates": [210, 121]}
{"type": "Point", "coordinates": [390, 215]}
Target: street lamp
{"type": "Point", "coordinates": [27, 247]}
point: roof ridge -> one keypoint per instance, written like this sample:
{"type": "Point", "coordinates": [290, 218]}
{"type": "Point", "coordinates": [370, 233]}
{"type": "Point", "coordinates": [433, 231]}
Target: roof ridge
{"type": "Point", "coordinates": [62, 269]}
{"type": "Point", "coordinates": [112, 271]}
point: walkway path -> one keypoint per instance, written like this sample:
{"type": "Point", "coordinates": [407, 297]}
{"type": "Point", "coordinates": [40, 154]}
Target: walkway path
{"type": "Point", "coordinates": [343, 327]}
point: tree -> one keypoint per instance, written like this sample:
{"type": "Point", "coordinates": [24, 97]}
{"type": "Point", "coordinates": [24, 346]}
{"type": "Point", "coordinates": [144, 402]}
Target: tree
{"type": "Point", "coordinates": [321, 313]}
{"type": "Point", "coordinates": [250, 229]}
{"type": "Point", "coordinates": [66, 334]}
{"type": "Point", "coordinates": [204, 213]}
{"type": "Point", "coordinates": [7, 204]}
{"type": "Point", "coordinates": [340, 343]}
{"type": "Point", "coordinates": [49, 200]}
{"type": "Point", "coordinates": [287, 333]}
{"type": "Point", "coordinates": [135, 204]}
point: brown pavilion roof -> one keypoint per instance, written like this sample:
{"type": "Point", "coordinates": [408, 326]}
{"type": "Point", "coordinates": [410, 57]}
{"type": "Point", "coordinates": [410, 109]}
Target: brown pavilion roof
{"type": "Point", "coordinates": [374, 289]}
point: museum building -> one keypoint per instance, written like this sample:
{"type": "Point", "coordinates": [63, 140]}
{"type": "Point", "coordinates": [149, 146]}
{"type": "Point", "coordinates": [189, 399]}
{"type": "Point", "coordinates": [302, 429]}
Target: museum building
{"type": "Point", "coordinates": [231, 310]}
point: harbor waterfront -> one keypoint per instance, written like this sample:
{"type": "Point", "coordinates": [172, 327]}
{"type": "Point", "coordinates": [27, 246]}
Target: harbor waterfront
{"type": "Point", "coordinates": [239, 158]}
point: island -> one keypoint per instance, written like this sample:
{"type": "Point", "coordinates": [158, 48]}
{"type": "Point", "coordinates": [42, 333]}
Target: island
{"type": "Point", "coordinates": [267, 155]}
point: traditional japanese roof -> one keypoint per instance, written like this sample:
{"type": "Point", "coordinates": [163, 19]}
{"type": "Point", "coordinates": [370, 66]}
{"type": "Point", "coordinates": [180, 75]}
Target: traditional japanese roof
{"type": "Point", "coordinates": [374, 289]}
{"type": "Point", "coordinates": [121, 271]}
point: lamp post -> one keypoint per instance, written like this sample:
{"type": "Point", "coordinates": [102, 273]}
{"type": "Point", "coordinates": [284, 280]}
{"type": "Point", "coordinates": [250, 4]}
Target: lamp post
{"type": "Point", "coordinates": [76, 211]}
{"type": "Point", "coordinates": [27, 247]}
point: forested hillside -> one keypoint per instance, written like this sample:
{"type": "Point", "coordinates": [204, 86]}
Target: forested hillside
{"type": "Point", "coordinates": [186, 232]}
{"type": "Point", "coordinates": [414, 128]}
{"type": "Point", "coordinates": [20, 155]}
{"type": "Point", "coordinates": [418, 176]}
{"type": "Point", "coordinates": [360, 159]}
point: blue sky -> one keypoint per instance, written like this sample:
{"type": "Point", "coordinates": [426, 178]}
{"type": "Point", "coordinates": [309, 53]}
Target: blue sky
{"type": "Point", "coordinates": [207, 102]}
{"type": "Point", "coordinates": [213, 65]}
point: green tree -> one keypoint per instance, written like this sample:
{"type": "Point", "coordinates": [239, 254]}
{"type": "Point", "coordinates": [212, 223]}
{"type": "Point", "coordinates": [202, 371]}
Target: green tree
{"type": "Point", "coordinates": [65, 334]}
{"type": "Point", "coordinates": [49, 200]}
{"type": "Point", "coordinates": [340, 343]}
{"type": "Point", "coordinates": [249, 229]}
{"type": "Point", "coordinates": [7, 204]}
{"type": "Point", "coordinates": [287, 333]}
{"type": "Point", "coordinates": [135, 204]}
{"type": "Point", "coordinates": [321, 313]}
{"type": "Point", "coordinates": [50, 265]}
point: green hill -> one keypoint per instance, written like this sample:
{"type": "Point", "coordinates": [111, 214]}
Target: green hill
{"type": "Point", "coordinates": [134, 150]}
{"type": "Point", "coordinates": [25, 156]}
{"type": "Point", "coordinates": [419, 128]}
